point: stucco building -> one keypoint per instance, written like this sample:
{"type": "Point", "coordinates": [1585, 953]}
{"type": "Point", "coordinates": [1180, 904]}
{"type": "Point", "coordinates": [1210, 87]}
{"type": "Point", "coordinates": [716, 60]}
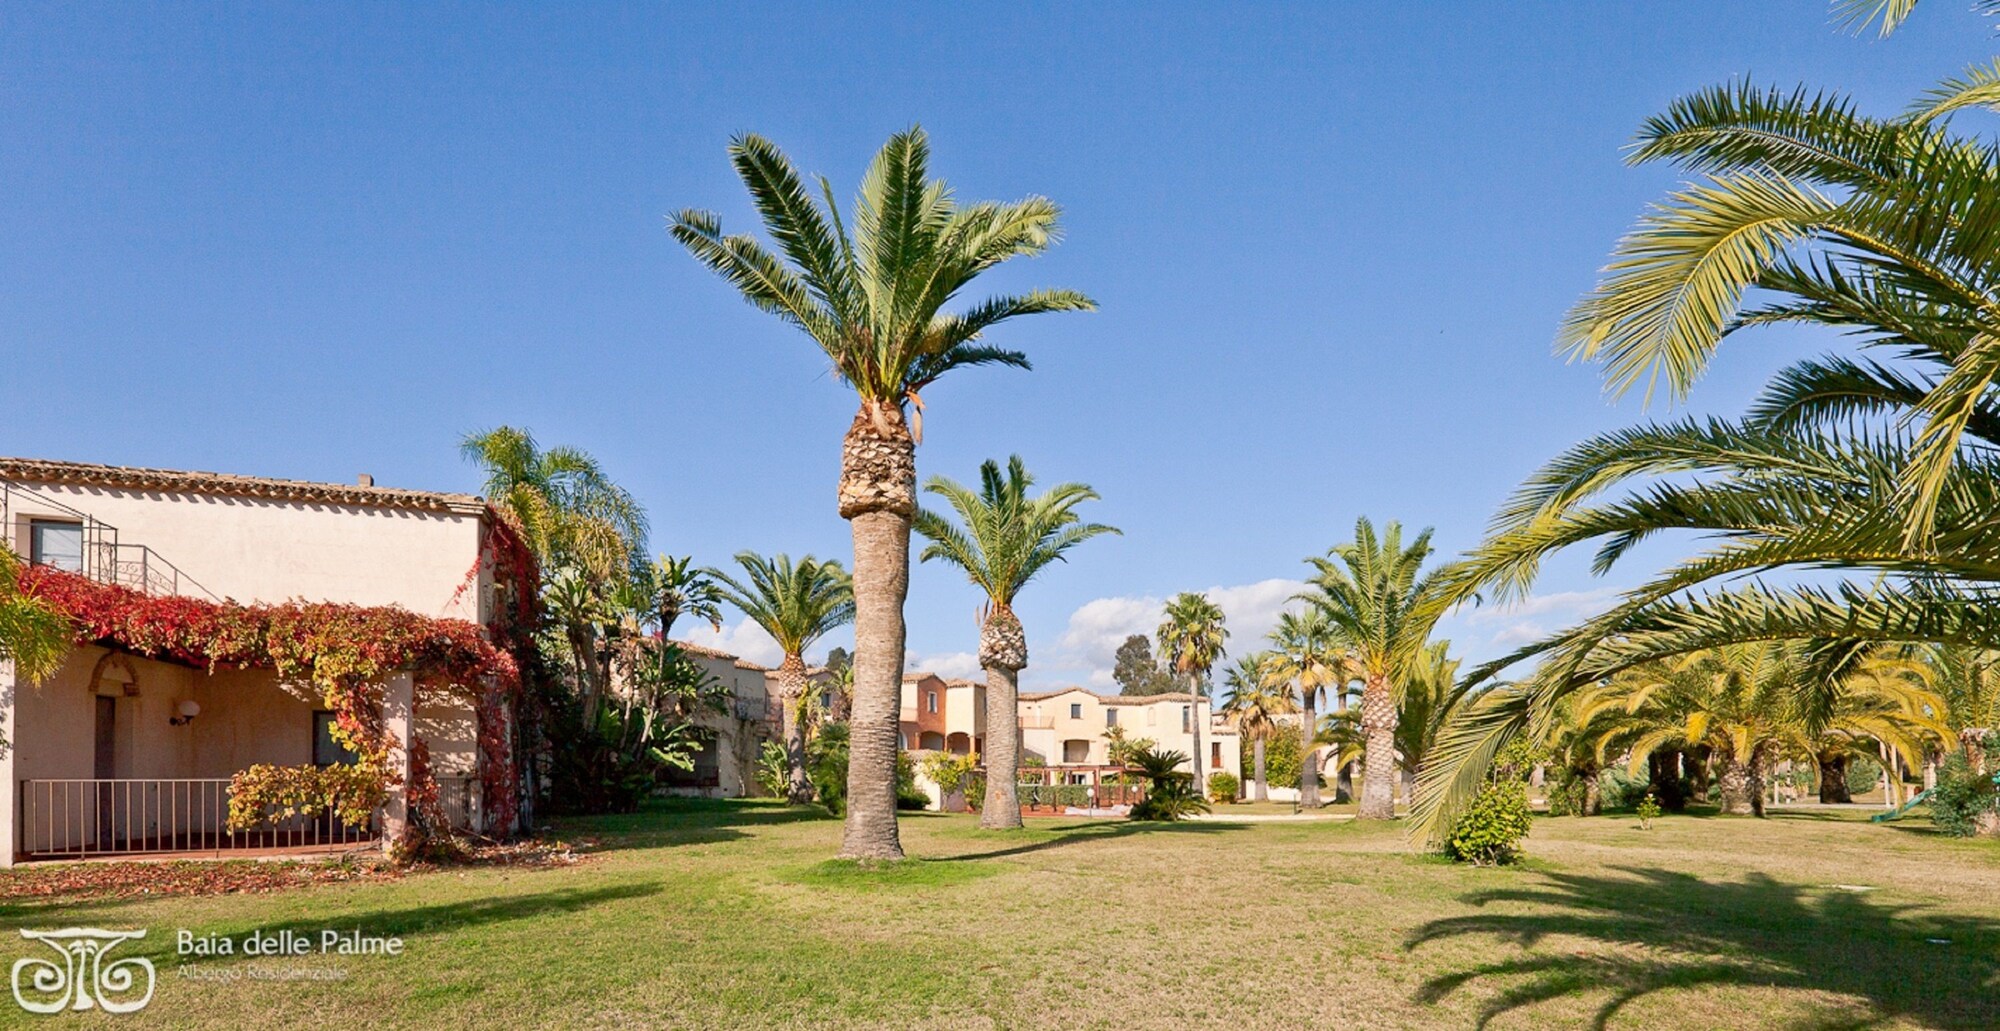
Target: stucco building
{"type": "Point", "coordinates": [119, 752]}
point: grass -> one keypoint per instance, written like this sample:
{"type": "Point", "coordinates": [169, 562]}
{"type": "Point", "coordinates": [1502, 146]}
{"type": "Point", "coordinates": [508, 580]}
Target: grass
{"type": "Point", "coordinates": [730, 915]}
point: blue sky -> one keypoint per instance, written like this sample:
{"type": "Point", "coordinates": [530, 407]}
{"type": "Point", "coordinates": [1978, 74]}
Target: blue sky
{"type": "Point", "coordinates": [1331, 244]}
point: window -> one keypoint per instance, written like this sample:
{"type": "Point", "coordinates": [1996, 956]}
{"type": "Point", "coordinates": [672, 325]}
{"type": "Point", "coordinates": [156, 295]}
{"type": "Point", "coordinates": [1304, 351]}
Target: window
{"type": "Point", "coordinates": [1076, 710]}
{"type": "Point", "coordinates": [327, 751]}
{"type": "Point", "coordinates": [56, 544]}
{"type": "Point", "coordinates": [1186, 720]}
{"type": "Point", "coordinates": [930, 700]}
{"type": "Point", "coordinates": [1215, 753]}
{"type": "Point", "coordinates": [1110, 717]}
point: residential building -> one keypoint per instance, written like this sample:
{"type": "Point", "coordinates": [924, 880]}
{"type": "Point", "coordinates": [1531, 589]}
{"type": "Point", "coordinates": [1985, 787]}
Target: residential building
{"type": "Point", "coordinates": [1067, 727]}
{"type": "Point", "coordinates": [732, 738]}
{"type": "Point", "coordinates": [120, 752]}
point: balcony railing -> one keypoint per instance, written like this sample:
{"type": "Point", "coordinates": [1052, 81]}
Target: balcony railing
{"type": "Point", "coordinates": [81, 818]}
{"type": "Point", "coordinates": [104, 557]}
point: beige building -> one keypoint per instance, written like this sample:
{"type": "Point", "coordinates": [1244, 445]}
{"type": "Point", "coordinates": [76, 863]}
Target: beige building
{"type": "Point", "coordinates": [1068, 727]}
{"type": "Point", "coordinates": [122, 753]}
{"type": "Point", "coordinates": [732, 739]}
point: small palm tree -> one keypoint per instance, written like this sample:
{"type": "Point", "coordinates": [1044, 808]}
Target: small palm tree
{"type": "Point", "coordinates": [797, 604]}
{"type": "Point", "coordinates": [1254, 708]}
{"type": "Point", "coordinates": [670, 587]}
{"type": "Point", "coordinates": [33, 634]}
{"type": "Point", "coordinates": [1171, 793]}
{"type": "Point", "coordinates": [1003, 540]}
{"type": "Point", "coordinates": [1191, 636]}
{"type": "Point", "coordinates": [874, 303]}
{"type": "Point", "coordinates": [1373, 592]}
{"type": "Point", "coordinates": [566, 508]}
{"type": "Point", "coordinates": [1306, 659]}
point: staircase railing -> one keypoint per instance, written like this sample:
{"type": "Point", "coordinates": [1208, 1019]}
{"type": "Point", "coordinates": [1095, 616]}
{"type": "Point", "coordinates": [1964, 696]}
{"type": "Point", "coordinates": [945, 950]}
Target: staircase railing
{"type": "Point", "coordinates": [105, 558]}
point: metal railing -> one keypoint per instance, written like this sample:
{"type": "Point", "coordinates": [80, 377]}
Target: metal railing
{"type": "Point", "coordinates": [104, 557]}
{"type": "Point", "coordinates": [458, 796]}
{"type": "Point", "coordinates": [81, 818]}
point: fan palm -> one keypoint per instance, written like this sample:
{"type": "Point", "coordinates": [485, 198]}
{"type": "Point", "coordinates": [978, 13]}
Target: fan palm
{"type": "Point", "coordinates": [566, 508]}
{"type": "Point", "coordinates": [1306, 658]}
{"type": "Point", "coordinates": [1191, 637]}
{"type": "Point", "coordinates": [797, 604]}
{"type": "Point", "coordinates": [874, 302]}
{"type": "Point", "coordinates": [34, 636]}
{"type": "Point", "coordinates": [1254, 708]}
{"type": "Point", "coordinates": [1373, 591]}
{"type": "Point", "coordinates": [1004, 538]}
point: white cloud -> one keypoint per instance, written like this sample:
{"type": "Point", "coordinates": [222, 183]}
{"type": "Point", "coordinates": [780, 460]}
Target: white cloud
{"type": "Point", "coordinates": [744, 639]}
{"type": "Point", "coordinates": [1491, 630]}
{"type": "Point", "coordinates": [949, 665]}
{"type": "Point", "coordinates": [1089, 645]}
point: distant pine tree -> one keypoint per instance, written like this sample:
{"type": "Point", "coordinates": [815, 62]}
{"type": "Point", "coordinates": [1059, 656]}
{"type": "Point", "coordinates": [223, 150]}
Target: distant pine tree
{"type": "Point", "coordinates": [1138, 673]}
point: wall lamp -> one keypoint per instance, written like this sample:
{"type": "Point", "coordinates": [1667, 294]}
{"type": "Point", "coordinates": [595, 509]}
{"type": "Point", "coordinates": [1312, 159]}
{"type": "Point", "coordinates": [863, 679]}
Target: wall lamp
{"type": "Point", "coordinates": [188, 711]}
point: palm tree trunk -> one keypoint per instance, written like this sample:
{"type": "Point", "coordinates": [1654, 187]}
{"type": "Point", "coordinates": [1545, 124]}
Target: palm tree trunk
{"type": "Point", "coordinates": [1378, 725]}
{"type": "Point", "coordinates": [1308, 767]}
{"type": "Point", "coordinates": [878, 491]}
{"type": "Point", "coordinates": [1738, 783]}
{"type": "Point", "coordinates": [1263, 790]}
{"type": "Point", "coordinates": [1833, 780]}
{"type": "Point", "coordinates": [791, 689]}
{"type": "Point", "coordinates": [1003, 652]}
{"type": "Point", "coordinates": [1197, 760]}
{"type": "Point", "coordinates": [1002, 810]}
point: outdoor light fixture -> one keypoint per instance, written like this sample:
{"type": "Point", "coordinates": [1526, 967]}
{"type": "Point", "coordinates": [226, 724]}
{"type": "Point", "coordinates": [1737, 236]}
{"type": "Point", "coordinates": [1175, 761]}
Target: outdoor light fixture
{"type": "Point", "coordinates": [188, 710]}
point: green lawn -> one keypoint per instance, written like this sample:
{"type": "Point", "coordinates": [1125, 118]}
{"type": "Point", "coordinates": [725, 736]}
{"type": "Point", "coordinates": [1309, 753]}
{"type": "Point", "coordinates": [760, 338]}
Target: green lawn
{"type": "Point", "coordinates": [726, 915]}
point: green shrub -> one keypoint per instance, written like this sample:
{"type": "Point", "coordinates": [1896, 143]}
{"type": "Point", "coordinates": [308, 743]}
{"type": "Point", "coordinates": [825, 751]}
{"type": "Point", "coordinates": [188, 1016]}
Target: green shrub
{"type": "Point", "coordinates": [1490, 830]}
{"type": "Point", "coordinates": [1566, 793]}
{"type": "Point", "coordinates": [1223, 787]}
{"type": "Point", "coordinates": [1863, 775]}
{"type": "Point", "coordinates": [1961, 797]}
{"type": "Point", "coordinates": [908, 794]}
{"type": "Point", "coordinates": [771, 773]}
{"type": "Point", "coordinates": [1170, 793]}
{"type": "Point", "coordinates": [826, 766]}
{"type": "Point", "coordinates": [1649, 810]}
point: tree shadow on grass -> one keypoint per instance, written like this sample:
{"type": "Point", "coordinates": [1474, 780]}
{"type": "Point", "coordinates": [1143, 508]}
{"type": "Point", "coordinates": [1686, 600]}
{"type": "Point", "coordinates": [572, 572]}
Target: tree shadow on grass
{"type": "Point", "coordinates": [1669, 930]}
{"type": "Point", "coordinates": [443, 918]}
{"type": "Point", "coordinates": [1088, 833]}
{"type": "Point", "coordinates": [683, 821]}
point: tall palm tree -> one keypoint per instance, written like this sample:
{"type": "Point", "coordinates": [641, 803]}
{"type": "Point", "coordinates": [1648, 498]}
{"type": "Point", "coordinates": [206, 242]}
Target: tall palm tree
{"type": "Point", "coordinates": [1883, 468]}
{"type": "Point", "coordinates": [670, 587]}
{"type": "Point", "coordinates": [1430, 696]}
{"type": "Point", "coordinates": [1306, 658]}
{"type": "Point", "coordinates": [1374, 592]}
{"type": "Point", "coordinates": [874, 302]}
{"type": "Point", "coordinates": [1254, 708]}
{"type": "Point", "coordinates": [1191, 636]}
{"type": "Point", "coordinates": [1003, 540]}
{"type": "Point", "coordinates": [34, 636]}
{"type": "Point", "coordinates": [797, 604]}
{"type": "Point", "coordinates": [566, 507]}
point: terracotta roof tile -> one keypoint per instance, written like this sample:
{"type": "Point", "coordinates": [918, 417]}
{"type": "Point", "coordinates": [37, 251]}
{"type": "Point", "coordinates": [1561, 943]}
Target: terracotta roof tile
{"type": "Point", "coordinates": [120, 477]}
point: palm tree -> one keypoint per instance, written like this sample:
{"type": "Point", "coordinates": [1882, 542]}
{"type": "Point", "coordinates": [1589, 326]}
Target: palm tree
{"type": "Point", "coordinates": [34, 636]}
{"type": "Point", "coordinates": [564, 505]}
{"type": "Point", "coordinates": [1741, 702]}
{"type": "Point", "coordinates": [1254, 708]}
{"type": "Point", "coordinates": [1430, 696]}
{"type": "Point", "coordinates": [1374, 594]}
{"type": "Point", "coordinates": [670, 587]}
{"type": "Point", "coordinates": [1883, 468]}
{"type": "Point", "coordinates": [1306, 659]}
{"type": "Point", "coordinates": [1191, 636]}
{"type": "Point", "coordinates": [1006, 539]}
{"type": "Point", "coordinates": [796, 604]}
{"type": "Point", "coordinates": [874, 303]}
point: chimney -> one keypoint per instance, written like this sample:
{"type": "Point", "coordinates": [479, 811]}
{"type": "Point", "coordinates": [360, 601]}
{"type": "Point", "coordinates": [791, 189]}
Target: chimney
{"type": "Point", "coordinates": [365, 480]}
